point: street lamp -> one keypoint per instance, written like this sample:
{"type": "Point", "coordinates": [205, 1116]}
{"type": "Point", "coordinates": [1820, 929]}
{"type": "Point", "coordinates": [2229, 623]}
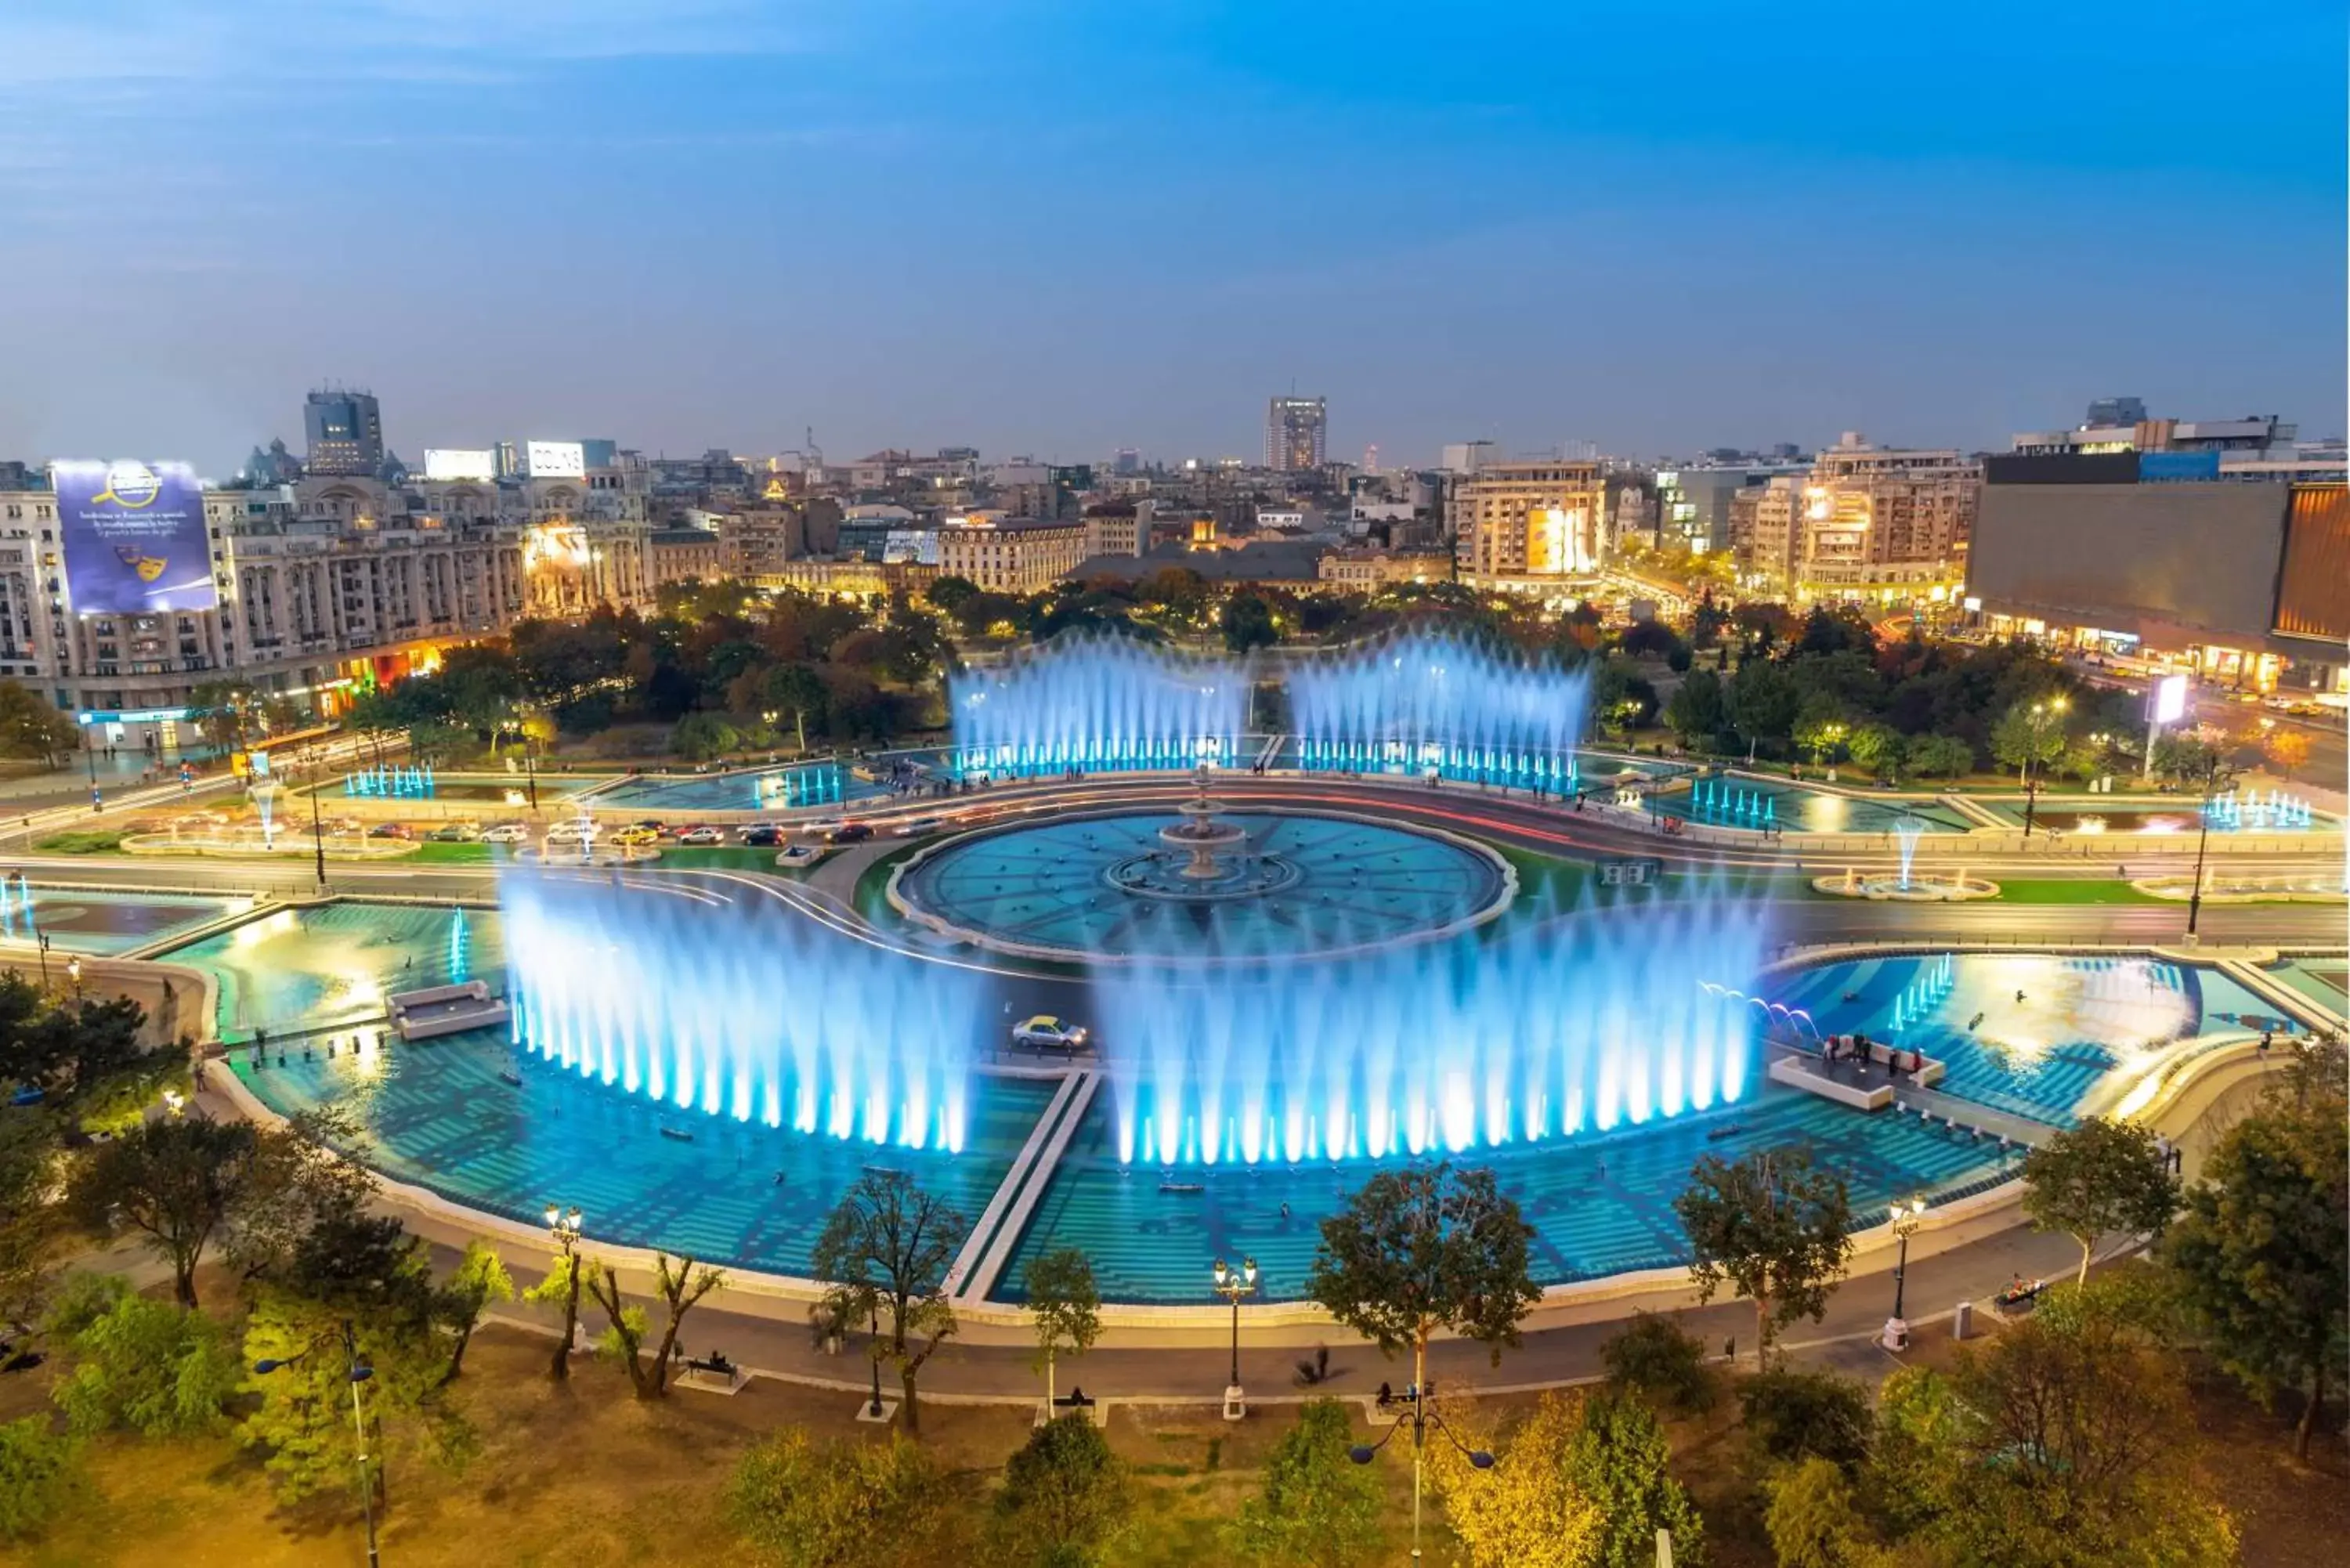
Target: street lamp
{"type": "Point", "coordinates": [1235, 1286]}
{"type": "Point", "coordinates": [1420, 1421]}
{"type": "Point", "coordinates": [1905, 1221]}
{"type": "Point", "coordinates": [73, 974]}
{"type": "Point", "coordinates": [43, 938]}
{"type": "Point", "coordinates": [356, 1372]}
{"type": "Point", "coordinates": [2041, 712]}
{"type": "Point", "coordinates": [563, 1224]}
{"type": "Point", "coordinates": [2211, 770]}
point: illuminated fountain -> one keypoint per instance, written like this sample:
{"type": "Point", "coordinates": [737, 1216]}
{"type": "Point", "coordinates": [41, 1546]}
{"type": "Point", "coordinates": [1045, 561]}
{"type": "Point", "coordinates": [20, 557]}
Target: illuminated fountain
{"type": "Point", "coordinates": [1424, 701]}
{"type": "Point", "coordinates": [1098, 702]}
{"type": "Point", "coordinates": [1559, 1027]}
{"type": "Point", "coordinates": [743, 1011]}
{"type": "Point", "coordinates": [390, 781]}
{"type": "Point", "coordinates": [1730, 804]}
{"type": "Point", "coordinates": [1906, 831]}
{"type": "Point", "coordinates": [17, 907]}
{"type": "Point", "coordinates": [2262, 811]}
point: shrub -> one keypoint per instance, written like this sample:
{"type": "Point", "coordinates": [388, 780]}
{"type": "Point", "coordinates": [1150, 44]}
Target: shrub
{"type": "Point", "coordinates": [153, 1366]}
{"type": "Point", "coordinates": [1795, 1414]}
{"type": "Point", "coordinates": [1065, 1495]}
{"type": "Point", "coordinates": [39, 1472]}
{"type": "Point", "coordinates": [804, 1504]}
{"type": "Point", "coordinates": [1656, 1358]}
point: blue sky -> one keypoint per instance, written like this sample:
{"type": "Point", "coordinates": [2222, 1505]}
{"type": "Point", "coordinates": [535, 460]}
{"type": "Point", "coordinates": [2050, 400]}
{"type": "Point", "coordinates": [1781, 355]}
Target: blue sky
{"type": "Point", "coordinates": [1060, 229]}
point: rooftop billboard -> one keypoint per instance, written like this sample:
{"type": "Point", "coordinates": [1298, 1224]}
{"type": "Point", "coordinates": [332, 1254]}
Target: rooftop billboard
{"type": "Point", "coordinates": [460, 463]}
{"type": "Point", "coordinates": [133, 534]}
{"type": "Point", "coordinates": [556, 460]}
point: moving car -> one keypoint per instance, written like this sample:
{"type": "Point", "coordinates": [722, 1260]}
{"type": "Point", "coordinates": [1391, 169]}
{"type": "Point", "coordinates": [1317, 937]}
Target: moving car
{"type": "Point", "coordinates": [573, 832]}
{"type": "Point", "coordinates": [636, 837]}
{"type": "Point", "coordinates": [919, 826]}
{"type": "Point", "coordinates": [456, 833]}
{"type": "Point", "coordinates": [391, 830]}
{"type": "Point", "coordinates": [702, 835]}
{"type": "Point", "coordinates": [506, 832]}
{"type": "Point", "coordinates": [764, 835]}
{"type": "Point", "coordinates": [849, 832]}
{"type": "Point", "coordinates": [1046, 1032]}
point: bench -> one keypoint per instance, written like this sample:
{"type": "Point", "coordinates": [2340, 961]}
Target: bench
{"type": "Point", "coordinates": [712, 1373]}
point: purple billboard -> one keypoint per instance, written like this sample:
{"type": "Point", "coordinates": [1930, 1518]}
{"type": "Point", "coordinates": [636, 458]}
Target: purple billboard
{"type": "Point", "coordinates": [134, 537]}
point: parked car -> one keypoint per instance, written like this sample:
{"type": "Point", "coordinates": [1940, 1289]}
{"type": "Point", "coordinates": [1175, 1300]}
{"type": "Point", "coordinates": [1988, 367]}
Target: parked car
{"type": "Point", "coordinates": [762, 835]}
{"type": "Point", "coordinates": [798, 854]}
{"type": "Point", "coordinates": [456, 833]}
{"type": "Point", "coordinates": [398, 830]}
{"type": "Point", "coordinates": [919, 825]}
{"type": "Point", "coordinates": [704, 834]}
{"type": "Point", "coordinates": [573, 832]}
{"type": "Point", "coordinates": [506, 832]}
{"type": "Point", "coordinates": [653, 824]}
{"type": "Point", "coordinates": [636, 837]}
{"type": "Point", "coordinates": [1046, 1032]}
{"type": "Point", "coordinates": [850, 833]}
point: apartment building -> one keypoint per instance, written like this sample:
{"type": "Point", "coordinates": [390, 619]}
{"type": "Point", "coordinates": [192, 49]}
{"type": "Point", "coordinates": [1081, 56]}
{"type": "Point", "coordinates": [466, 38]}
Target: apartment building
{"type": "Point", "coordinates": [1527, 521]}
{"type": "Point", "coordinates": [1865, 524]}
{"type": "Point", "coordinates": [1022, 555]}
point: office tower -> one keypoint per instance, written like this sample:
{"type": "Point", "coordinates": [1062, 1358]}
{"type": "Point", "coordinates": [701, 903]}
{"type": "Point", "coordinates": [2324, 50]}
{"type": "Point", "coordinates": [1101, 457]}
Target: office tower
{"type": "Point", "coordinates": [346, 433]}
{"type": "Point", "coordinates": [2109, 411]}
{"type": "Point", "coordinates": [1294, 428]}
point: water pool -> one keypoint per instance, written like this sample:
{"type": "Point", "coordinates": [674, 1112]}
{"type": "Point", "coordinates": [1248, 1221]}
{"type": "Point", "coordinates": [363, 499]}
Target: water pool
{"type": "Point", "coordinates": [332, 965]}
{"type": "Point", "coordinates": [1735, 801]}
{"type": "Point", "coordinates": [104, 923]}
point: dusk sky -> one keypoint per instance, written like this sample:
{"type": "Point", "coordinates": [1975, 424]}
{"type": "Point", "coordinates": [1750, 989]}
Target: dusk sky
{"type": "Point", "coordinates": [1060, 229]}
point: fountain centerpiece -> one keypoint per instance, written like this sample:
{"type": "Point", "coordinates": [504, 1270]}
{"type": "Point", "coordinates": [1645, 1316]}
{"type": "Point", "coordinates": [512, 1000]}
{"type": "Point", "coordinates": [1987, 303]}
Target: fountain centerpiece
{"type": "Point", "coordinates": [1200, 835]}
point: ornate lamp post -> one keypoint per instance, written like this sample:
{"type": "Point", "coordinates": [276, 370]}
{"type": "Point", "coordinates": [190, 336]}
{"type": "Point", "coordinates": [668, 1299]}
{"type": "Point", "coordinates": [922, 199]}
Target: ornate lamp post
{"type": "Point", "coordinates": [1419, 1420]}
{"type": "Point", "coordinates": [1905, 1221]}
{"type": "Point", "coordinates": [1235, 1286]}
{"type": "Point", "coordinates": [2042, 712]}
{"type": "Point", "coordinates": [355, 1371]}
{"type": "Point", "coordinates": [73, 974]}
{"type": "Point", "coordinates": [2213, 769]}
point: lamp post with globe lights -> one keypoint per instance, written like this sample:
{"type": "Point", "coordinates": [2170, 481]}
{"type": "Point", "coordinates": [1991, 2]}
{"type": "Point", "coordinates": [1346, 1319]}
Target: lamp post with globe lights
{"type": "Point", "coordinates": [563, 1224]}
{"type": "Point", "coordinates": [355, 1371]}
{"type": "Point", "coordinates": [1235, 1286]}
{"type": "Point", "coordinates": [1905, 1221]}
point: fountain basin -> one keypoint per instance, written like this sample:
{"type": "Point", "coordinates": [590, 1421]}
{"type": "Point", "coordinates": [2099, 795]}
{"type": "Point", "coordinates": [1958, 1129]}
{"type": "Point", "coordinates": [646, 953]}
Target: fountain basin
{"type": "Point", "coordinates": [1920, 889]}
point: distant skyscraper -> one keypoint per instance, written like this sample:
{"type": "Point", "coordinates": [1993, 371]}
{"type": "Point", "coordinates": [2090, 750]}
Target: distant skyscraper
{"type": "Point", "coordinates": [1127, 461]}
{"type": "Point", "coordinates": [1294, 430]}
{"type": "Point", "coordinates": [2107, 412]}
{"type": "Point", "coordinates": [346, 433]}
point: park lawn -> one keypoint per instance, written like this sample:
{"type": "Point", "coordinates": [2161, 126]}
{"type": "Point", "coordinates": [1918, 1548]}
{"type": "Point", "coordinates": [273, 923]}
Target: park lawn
{"type": "Point", "coordinates": [726, 857]}
{"type": "Point", "coordinates": [430, 854]}
{"type": "Point", "coordinates": [93, 841]}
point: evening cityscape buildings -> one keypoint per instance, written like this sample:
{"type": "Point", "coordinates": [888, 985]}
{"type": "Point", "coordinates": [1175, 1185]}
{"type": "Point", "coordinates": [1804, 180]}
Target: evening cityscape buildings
{"type": "Point", "coordinates": [340, 571]}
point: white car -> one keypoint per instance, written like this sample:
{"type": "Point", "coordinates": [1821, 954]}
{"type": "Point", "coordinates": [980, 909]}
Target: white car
{"type": "Point", "coordinates": [918, 827]}
{"type": "Point", "coordinates": [1046, 1032]}
{"type": "Point", "coordinates": [506, 832]}
{"type": "Point", "coordinates": [702, 835]}
{"type": "Point", "coordinates": [573, 832]}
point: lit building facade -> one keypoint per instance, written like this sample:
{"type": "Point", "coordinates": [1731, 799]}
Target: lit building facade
{"type": "Point", "coordinates": [1528, 522]}
{"type": "Point", "coordinates": [1867, 525]}
{"type": "Point", "coordinates": [344, 434]}
{"type": "Point", "coordinates": [1017, 556]}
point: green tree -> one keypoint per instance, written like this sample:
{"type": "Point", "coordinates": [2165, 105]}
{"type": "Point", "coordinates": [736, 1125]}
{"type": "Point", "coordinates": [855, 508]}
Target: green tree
{"type": "Point", "coordinates": [681, 1284]}
{"type": "Point", "coordinates": [357, 1286]}
{"type": "Point", "coordinates": [1525, 1511]}
{"type": "Point", "coordinates": [884, 1253]}
{"type": "Point", "coordinates": [1821, 727]}
{"type": "Point", "coordinates": [698, 737]}
{"type": "Point", "coordinates": [1763, 699]}
{"type": "Point", "coordinates": [949, 593]}
{"type": "Point", "coordinates": [1792, 1415]}
{"type": "Point", "coordinates": [1065, 1497]}
{"type": "Point", "coordinates": [2096, 1178]}
{"type": "Point", "coordinates": [1813, 1518]}
{"type": "Point", "coordinates": [175, 1182]}
{"type": "Point", "coordinates": [296, 1182]}
{"type": "Point", "coordinates": [801, 1503]}
{"type": "Point", "coordinates": [30, 1224]}
{"type": "Point", "coordinates": [2186, 759]}
{"type": "Point", "coordinates": [2030, 734]}
{"type": "Point", "coordinates": [799, 691]}
{"type": "Point", "coordinates": [1619, 1463]}
{"type": "Point", "coordinates": [40, 1473]}
{"type": "Point", "coordinates": [81, 1060]}
{"type": "Point", "coordinates": [1653, 1356]}
{"type": "Point", "coordinates": [1314, 1507]}
{"type": "Point", "coordinates": [158, 1369]}
{"type": "Point", "coordinates": [1940, 756]}
{"type": "Point", "coordinates": [560, 1286]}
{"type": "Point", "coordinates": [480, 1279]}
{"type": "Point", "coordinates": [1774, 1227]}
{"type": "Point", "coordinates": [1696, 711]}
{"type": "Point", "coordinates": [1418, 1251]}
{"type": "Point", "coordinates": [2054, 1445]}
{"type": "Point", "coordinates": [1878, 748]}
{"type": "Point", "coordinates": [1063, 1307]}
{"type": "Point", "coordinates": [1246, 623]}
{"type": "Point", "coordinates": [2262, 1250]}
{"type": "Point", "coordinates": [30, 728]}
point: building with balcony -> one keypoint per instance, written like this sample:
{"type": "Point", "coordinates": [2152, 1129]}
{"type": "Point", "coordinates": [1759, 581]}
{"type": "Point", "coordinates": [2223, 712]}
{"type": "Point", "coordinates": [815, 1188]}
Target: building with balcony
{"type": "Point", "coordinates": [1528, 522]}
{"type": "Point", "coordinates": [1019, 555]}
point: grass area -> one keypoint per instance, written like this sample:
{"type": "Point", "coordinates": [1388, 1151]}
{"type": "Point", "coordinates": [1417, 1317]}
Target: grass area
{"type": "Point", "coordinates": [2072, 892]}
{"type": "Point", "coordinates": [94, 841]}
{"type": "Point", "coordinates": [430, 854]}
{"type": "Point", "coordinates": [726, 857]}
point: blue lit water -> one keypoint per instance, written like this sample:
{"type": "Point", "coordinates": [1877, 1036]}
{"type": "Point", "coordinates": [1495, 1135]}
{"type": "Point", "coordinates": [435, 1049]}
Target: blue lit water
{"type": "Point", "coordinates": [788, 787]}
{"type": "Point", "coordinates": [1730, 802]}
{"type": "Point", "coordinates": [333, 965]}
{"type": "Point", "coordinates": [439, 1115]}
{"type": "Point", "coordinates": [2173, 814]}
{"type": "Point", "coordinates": [101, 923]}
{"type": "Point", "coordinates": [1356, 882]}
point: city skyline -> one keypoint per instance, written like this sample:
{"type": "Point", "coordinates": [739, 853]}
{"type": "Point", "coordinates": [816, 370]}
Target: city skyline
{"type": "Point", "coordinates": [848, 220]}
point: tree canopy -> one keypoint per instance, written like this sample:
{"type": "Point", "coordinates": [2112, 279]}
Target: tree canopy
{"type": "Point", "coordinates": [1416, 1251]}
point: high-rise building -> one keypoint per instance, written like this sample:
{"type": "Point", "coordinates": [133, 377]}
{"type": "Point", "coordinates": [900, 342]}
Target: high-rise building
{"type": "Point", "coordinates": [345, 431]}
{"type": "Point", "coordinates": [1294, 429]}
{"type": "Point", "coordinates": [2116, 412]}
{"type": "Point", "coordinates": [1867, 522]}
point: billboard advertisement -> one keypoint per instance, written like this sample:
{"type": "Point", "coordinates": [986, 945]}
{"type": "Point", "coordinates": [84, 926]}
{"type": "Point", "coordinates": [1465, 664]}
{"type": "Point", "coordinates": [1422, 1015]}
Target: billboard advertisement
{"type": "Point", "coordinates": [460, 463]}
{"type": "Point", "coordinates": [556, 460]}
{"type": "Point", "coordinates": [134, 537]}
{"type": "Point", "coordinates": [2170, 700]}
